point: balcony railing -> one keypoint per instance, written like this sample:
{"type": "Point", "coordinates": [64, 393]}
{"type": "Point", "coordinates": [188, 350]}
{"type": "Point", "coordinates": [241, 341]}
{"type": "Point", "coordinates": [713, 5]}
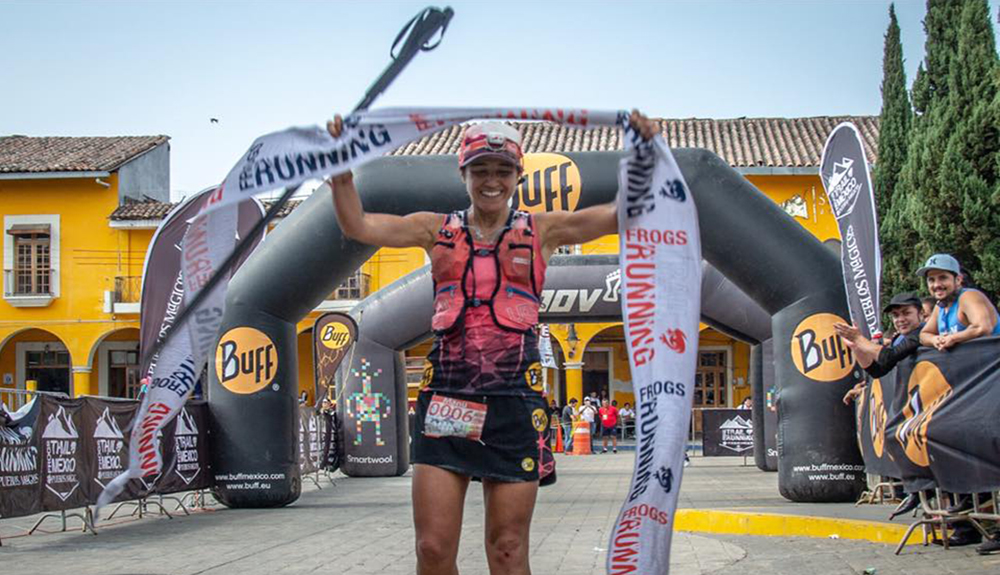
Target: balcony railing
{"type": "Point", "coordinates": [128, 289]}
{"type": "Point", "coordinates": [18, 283]}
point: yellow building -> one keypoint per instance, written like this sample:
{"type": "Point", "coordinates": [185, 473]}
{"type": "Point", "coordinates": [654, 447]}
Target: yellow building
{"type": "Point", "coordinates": [78, 214]}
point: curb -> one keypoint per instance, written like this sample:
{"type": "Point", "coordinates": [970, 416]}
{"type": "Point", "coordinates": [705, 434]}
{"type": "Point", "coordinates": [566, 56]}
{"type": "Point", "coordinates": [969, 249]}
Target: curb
{"type": "Point", "coordinates": [778, 525]}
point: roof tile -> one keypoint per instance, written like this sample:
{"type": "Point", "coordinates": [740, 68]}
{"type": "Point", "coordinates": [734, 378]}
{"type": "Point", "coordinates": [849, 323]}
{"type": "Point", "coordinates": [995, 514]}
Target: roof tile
{"type": "Point", "coordinates": [24, 154]}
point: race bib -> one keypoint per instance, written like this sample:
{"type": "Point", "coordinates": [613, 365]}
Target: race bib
{"type": "Point", "coordinates": [451, 417]}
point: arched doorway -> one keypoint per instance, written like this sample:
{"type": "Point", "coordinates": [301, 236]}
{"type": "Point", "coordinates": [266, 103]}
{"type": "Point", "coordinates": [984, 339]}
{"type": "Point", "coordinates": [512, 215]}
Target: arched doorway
{"type": "Point", "coordinates": [36, 355]}
{"type": "Point", "coordinates": [114, 361]}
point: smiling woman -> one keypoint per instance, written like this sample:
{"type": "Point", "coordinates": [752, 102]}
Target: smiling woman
{"type": "Point", "coordinates": [480, 413]}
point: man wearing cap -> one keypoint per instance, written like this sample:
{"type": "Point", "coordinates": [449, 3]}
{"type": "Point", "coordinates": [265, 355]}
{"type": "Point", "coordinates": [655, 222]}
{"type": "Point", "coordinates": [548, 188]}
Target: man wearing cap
{"type": "Point", "coordinates": [961, 313]}
{"type": "Point", "coordinates": [877, 360]}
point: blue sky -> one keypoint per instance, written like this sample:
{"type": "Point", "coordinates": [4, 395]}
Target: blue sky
{"type": "Point", "coordinates": [121, 68]}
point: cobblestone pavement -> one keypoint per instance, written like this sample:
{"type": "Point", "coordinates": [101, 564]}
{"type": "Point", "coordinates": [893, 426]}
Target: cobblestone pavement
{"type": "Point", "coordinates": [363, 526]}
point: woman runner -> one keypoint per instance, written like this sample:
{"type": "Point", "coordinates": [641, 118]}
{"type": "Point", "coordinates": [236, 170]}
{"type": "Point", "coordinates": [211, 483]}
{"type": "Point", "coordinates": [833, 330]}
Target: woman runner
{"type": "Point", "coordinates": [480, 409]}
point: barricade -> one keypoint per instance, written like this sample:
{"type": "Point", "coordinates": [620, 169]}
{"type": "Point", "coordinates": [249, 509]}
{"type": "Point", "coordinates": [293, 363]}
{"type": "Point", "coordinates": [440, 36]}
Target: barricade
{"type": "Point", "coordinates": [581, 438]}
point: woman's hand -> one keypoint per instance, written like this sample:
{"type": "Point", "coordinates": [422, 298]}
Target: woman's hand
{"type": "Point", "coordinates": [336, 128]}
{"type": "Point", "coordinates": [646, 127]}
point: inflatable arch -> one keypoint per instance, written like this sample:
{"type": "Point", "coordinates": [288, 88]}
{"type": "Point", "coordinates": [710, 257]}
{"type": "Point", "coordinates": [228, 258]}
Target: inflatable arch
{"type": "Point", "coordinates": [748, 238]}
{"type": "Point", "coordinates": [578, 289]}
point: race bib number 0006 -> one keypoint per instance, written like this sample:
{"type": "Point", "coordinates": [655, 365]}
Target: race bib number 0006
{"type": "Point", "coordinates": [451, 417]}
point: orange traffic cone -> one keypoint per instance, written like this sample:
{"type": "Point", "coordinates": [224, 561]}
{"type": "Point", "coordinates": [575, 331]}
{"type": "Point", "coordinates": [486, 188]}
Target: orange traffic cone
{"type": "Point", "coordinates": [559, 440]}
{"type": "Point", "coordinates": [581, 438]}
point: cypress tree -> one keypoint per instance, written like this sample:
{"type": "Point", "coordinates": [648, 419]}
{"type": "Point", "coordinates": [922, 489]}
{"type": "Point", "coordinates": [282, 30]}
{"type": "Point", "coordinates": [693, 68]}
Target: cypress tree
{"type": "Point", "coordinates": [918, 217]}
{"type": "Point", "coordinates": [969, 162]}
{"type": "Point", "coordinates": [894, 128]}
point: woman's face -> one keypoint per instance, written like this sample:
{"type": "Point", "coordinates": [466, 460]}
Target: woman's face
{"type": "Point", "coordinates": [490, 183]}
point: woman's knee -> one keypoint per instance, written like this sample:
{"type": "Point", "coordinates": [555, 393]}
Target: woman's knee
{"type": "Point", "coordinates": [507, 548]}
{"type": "Point", "coordinates": [435, 551]}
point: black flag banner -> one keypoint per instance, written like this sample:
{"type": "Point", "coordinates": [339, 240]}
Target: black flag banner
{"type": "Point", "coordinates": [844, 172]}
{"type": "Point", "coordinates": [933, 420]}
{"type": "Point", "coordinates": [58, 454]}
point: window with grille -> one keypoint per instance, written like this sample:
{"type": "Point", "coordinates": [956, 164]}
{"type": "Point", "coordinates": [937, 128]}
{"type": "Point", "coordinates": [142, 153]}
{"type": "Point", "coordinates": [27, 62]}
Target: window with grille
{"type": "Point", "coordinates": [358, 286]}
{"type": "Point", "coordinates": [32, 264]}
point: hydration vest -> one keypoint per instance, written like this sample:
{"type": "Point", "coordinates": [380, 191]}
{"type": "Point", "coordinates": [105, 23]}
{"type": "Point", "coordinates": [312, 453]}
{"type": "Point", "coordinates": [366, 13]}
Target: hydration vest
{"type": "Point", "coordinates": [520, 271]}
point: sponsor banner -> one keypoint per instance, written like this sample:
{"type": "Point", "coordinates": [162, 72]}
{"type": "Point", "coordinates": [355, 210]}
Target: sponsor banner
{"type": "Point", "coordinates": [207, 241]}
{"type": "Point", "coordinates": [873, 416]}
{"type": "Point", "coordinates": [312, 426]}
{"type": "Point", "coordinates": [65, 469]}
{"type": "Point", "coordinates": [185, 450]}
{"type": "Point", "coordinates": [660, 256]}
{"type": "Point", "coordinates": [290, 157]}
{"type": "Point", "coordinates": [845, 176]}
{"type": "Point", "coordinates": [20, 462]}
{"type": "Point", "coordinates": [333, 335]}
{"type": "Point", "coordinates": [162, 281]}
{"type": "Point", "coordinates": [938, 427]}
{"type": "Point", "coordinates": [105, 426]}
{"type": "Point", "coordinates": [59, 454]}
{"type": "Point", "coordinates": [726, 432]}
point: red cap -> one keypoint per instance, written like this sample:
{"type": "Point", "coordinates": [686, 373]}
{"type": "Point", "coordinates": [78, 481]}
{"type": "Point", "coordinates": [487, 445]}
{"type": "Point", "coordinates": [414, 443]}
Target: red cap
{"type": "Point", "coordinates": [490, 139]}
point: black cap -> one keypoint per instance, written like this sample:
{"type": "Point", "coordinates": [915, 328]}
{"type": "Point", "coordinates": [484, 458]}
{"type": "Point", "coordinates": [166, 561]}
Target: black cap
{"type": "Point", "coordinates": [902, 299]}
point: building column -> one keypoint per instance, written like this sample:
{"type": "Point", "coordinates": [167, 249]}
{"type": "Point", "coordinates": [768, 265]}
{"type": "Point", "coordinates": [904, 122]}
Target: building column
{"type": "Point", "coordinates": [574, 381]}
{"type": "Point", "coordinates": [81, 381]}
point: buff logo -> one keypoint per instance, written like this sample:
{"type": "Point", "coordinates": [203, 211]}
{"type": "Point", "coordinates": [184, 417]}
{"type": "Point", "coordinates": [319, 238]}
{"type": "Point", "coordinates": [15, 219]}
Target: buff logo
{"type": "Point", "coordinates": [260, 171]}
{"type": "Point", "coordinates": [927, 391]}
{"type": "Point", "coordinates": [818, 352]}
{"type": "Point", "coordinates": [336, 335]}
{"type": "Point", "coordinates": [246, 360]}
{"type": "Point", "coordinates": [551, 182]}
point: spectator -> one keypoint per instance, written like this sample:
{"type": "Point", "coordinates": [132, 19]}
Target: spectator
{"type": "Point", "coordinates": [961, 314]}
{"type": "Point", "coordinates": [627, 417]}
{"type": "Point", "coordinates": [907, 319]}
{"type": "Point", "coordinates": [609, 426]}
{"type": "Point", "coordinates": [569, 415]}
{"type": "Point", "coordinates": [927, 303]}
{"type": "Point", "coordinates": [588, 413]}
{"type": "Point", "coordinates": [747, 403]}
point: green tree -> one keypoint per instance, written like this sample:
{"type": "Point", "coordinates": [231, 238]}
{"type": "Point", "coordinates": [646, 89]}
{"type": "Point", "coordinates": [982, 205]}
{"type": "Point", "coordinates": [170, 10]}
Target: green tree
{"type": "Point", "coordinates": [894, 128]}
{"type": "Point", "coordinates": [920, 217]}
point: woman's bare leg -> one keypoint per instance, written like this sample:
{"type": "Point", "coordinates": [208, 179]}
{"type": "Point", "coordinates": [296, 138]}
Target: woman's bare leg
{"type": "Point", "coordinates": [509, 507]}
{"type": "Point", "coordinates": [438, 502]}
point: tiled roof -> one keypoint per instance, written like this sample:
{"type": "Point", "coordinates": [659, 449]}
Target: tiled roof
{"type": "Point", "coordinates": [153, 210]}
{"type": "Point", "coordinates": [742, 142]}
{"type": "Point", "coordinates": [20, 154]}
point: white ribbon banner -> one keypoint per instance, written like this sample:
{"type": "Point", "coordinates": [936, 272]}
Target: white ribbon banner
{"type": "Point", "coordinates": [660, 254]}
{"type": "Point", "coordinates": [290, 157]}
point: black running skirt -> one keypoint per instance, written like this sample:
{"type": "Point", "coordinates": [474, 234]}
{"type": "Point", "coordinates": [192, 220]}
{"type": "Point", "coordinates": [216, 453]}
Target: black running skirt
{"type": "Point", "coordinates": [508, 449]}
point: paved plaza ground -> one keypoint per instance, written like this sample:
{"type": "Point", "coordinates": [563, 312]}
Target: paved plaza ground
{"type": "Point", "coordinates": [363, 526]}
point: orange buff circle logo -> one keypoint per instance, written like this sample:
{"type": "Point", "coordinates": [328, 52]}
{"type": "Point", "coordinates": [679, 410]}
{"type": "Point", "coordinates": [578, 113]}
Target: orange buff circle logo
{"type": "Point", "coordinates": [246, 360]}
{"type": "Point", "coordinates": [551, 182]}
{"type": "Point", "coordinates": [927, 390]}
{"type": "Point", "coordinates": [428, 375]}
{"type": "Point", "coordinates": [533, 376]}
{"type": "Point", "coordinates": [818, 352]}
{"type": "Point", "coordinates": [335, 335]}
{"type": "Point", "coordinates": [877, 417]}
